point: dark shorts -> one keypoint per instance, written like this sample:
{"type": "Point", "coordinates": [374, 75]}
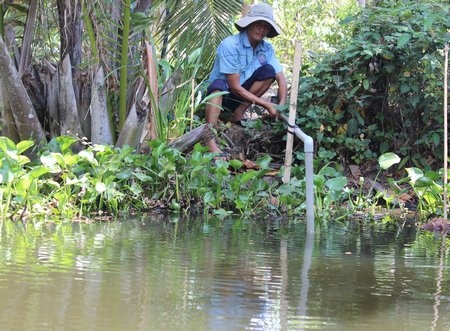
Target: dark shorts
{"type": "Point", "coordinates": [230, 101]}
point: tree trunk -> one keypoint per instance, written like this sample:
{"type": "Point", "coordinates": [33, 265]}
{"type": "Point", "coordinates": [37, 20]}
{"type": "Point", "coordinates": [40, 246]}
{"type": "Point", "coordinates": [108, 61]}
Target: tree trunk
{"type": "Point", "coordinates": [52, 91]}
{"type": "Point", "coordinates": [150, 131]}
{"type": "Point", "coordinates": [131, 132]}
{"type": "Point", "coordinates": [186, 142]}
{"type": "Point", "coordinates": [68, 111]}
{"type": "Point", "coordinates": [70, 27]}
{"type": "Point", "coordinates": [106, 33]}
{"type": "Point", "coordinates": [101, 124]}
{"type": "Point", "coordinates": [25, 55]}
{"type": "Point", "coordinates": [8, 128]}
{"type": "Point", "coordinates": [10, 40]}
{"type": "Point", "coordinates": [25, 117]}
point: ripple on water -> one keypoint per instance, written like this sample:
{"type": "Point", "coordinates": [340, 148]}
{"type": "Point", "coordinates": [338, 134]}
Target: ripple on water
{"type": "Point", "coordinates": [217, 278]}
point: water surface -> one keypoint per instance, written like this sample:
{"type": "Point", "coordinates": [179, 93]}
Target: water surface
{"type": "Point", "coordinates": [153, 274]}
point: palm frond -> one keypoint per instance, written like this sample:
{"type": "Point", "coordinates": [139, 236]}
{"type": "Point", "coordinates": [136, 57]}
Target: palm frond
{"type": "Point", "coordinates": [190, 23]}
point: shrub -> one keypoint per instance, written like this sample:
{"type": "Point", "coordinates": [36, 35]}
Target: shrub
{"type": "Point", "coordinates": [382, 91]}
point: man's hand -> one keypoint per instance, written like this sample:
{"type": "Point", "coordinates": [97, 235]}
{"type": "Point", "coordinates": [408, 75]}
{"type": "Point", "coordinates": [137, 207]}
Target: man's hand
{"type": "Point", "coordinates": [271, 108]}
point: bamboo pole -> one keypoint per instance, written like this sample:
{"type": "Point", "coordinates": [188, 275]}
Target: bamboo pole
{"type": "Point", "coordinates": [445, 128]}
{"type": "Point", "coordinates": [292, 111]}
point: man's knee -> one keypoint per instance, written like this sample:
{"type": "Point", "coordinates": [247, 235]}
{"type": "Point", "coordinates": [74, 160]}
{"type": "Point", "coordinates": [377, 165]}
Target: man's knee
{"type": "Point", "coordinates": [218, 85]}
{"type": "Point", "coordinates": [265, 72]}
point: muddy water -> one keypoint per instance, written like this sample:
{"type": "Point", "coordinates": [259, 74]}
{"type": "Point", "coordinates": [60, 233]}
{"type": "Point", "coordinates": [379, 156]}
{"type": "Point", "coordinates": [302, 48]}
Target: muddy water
{"type": "Point", "coordinates": [149, 274]}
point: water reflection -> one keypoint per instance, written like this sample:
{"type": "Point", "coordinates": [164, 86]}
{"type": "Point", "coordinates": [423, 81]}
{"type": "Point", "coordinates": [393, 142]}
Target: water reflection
{"type": "Point", "coordinates": [152, 274]}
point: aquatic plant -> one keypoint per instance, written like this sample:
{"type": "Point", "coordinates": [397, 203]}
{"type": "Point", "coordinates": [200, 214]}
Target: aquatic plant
{"type": "Point", "coordinates": [103, 179]}
{"type": "Point", "coordinates": [429, 189]}
{"type": "Point", "coordinates": [107, 179]}
{"type": "Point", "coordinates": [15, 181]}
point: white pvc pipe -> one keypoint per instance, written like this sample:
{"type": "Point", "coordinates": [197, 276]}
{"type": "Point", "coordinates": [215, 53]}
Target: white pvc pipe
{"type": "Point", "coordinates": [309, 173]}
{"type": "Point", "coordinates": [309, 177]}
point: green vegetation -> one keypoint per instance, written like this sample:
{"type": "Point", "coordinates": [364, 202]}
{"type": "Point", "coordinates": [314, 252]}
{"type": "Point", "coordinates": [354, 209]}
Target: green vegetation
{"type": "Point", "coordinates": [371, 85]}
{"type": "Point", "coordinates": [112, 180]}
{"type": "Point", "coordinates": [105, 180]}
{"type": "Point", "coordinates": [383, 90]}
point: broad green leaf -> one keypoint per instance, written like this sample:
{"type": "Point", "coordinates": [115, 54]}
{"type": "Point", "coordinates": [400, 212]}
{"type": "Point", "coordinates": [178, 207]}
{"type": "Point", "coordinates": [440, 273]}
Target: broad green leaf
{"type": "Point", "coordinates": [404, 88]}
{"type": "Point", "coordinates": [65, 142]}
{"type": "Point", "coordinates": [22, 185]}
{"type": "Point", "coordinates": [6, 144]}
{"type": "Point", "coordinates": [328, 171]}
{"type": "Point", "coordinates": [259, 185]}
{"type": "Point", "coordinates": [222, 167]}
{"type": "Point", "coordinates": [403, 40]}
{"type": "Point", "coordinates": [285, 189]}
{"type": "Point", "coordinates": [414, 174]}
{"type": "Point", "coordinates": [88, 156]}
{"type": "Point", "coordinates": [264, 162]}
{"type": "Point", "coordinates": [428, 22]}
{"type": "Point", "coordinates": [353, 91]}
{"type": "Point", "coordinates": [23, 145]}
{"type": "Point", "coordinates": [245, 196]}
{"type": "Point", "coordinates": [236, 164]}
{"type": "Point", "coordinates": [436, 138]}
{"type": "Point", "coordinates": [319, 182]}
{"type": "Point", "coordinates": [387, 160]}
{"type": "Point", "coordinates": [424, 182]}
{"type": "Point", "coordinates": [434, 175]}
{"type": "Point", "coordinates": [53, 161]}
{"type": "Point", "coordinates": [38, 172]}
{"type": "Point", "coordinates": [141, 176]}
{"type": "Point", "coordinates": [124, 174]}
{"type": "Point", "coordinates": [209, 197]}
{"type": "Point", "coordinates": [247, 176]}
{"type": "Point", "coordinates": [136, 189]}
{"type": "Point", "coordinates": [336, 184]}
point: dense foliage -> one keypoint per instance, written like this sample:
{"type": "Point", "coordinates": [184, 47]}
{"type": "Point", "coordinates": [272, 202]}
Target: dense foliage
{"type": "Point", "coordinates": [105, 181]}
{"type": "Point", "coordinates": [383, 91]}
{"type": "Point", "coordinates": [112, 180]}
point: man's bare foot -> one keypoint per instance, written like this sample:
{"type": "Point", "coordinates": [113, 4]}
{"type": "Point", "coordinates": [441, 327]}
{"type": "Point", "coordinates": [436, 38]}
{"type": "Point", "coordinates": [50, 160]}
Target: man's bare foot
{"type": "Point", "coordinates": [213, 148]}
{"type": "Point", "coordinates": [212, 145]}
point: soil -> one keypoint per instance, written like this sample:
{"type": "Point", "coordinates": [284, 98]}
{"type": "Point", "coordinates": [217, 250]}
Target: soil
{"type": "Point", "coordinates": [244, 142]}
{"type": "Point", "coordinates": [255, 136]}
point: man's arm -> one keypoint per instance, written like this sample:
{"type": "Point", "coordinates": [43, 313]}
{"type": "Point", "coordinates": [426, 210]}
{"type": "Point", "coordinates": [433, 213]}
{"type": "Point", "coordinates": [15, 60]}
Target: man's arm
{"type": "Point", "coordinates": [238, 90]}
{"type": "Point", "coordinates": [282, 88]}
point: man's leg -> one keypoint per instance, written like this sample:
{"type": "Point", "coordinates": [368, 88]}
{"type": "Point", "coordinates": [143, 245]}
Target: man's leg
{"type": "Point", "coordinates": [258, 84]}
{"type": "Point", "coordinates": [212, 112]}
{"type": "Point", "coordinates": [213, 108]}
{"type": "Point", "coordinates": [258, 88]}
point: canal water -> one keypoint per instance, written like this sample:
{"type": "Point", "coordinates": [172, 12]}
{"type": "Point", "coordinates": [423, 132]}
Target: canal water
{"type": "Point", "coordinates": [145, 273]}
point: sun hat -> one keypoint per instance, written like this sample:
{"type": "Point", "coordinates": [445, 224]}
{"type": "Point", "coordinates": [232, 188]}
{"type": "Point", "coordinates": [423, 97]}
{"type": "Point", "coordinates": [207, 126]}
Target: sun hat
{"type": "Point", "coordinates": [259, 12]}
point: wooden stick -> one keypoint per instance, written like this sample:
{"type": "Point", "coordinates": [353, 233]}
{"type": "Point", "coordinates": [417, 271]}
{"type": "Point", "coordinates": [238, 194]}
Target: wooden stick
{"type": "Point", "coordinates": [445, 128]}
{"type": "Point", "coordinates": [292, 111]}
